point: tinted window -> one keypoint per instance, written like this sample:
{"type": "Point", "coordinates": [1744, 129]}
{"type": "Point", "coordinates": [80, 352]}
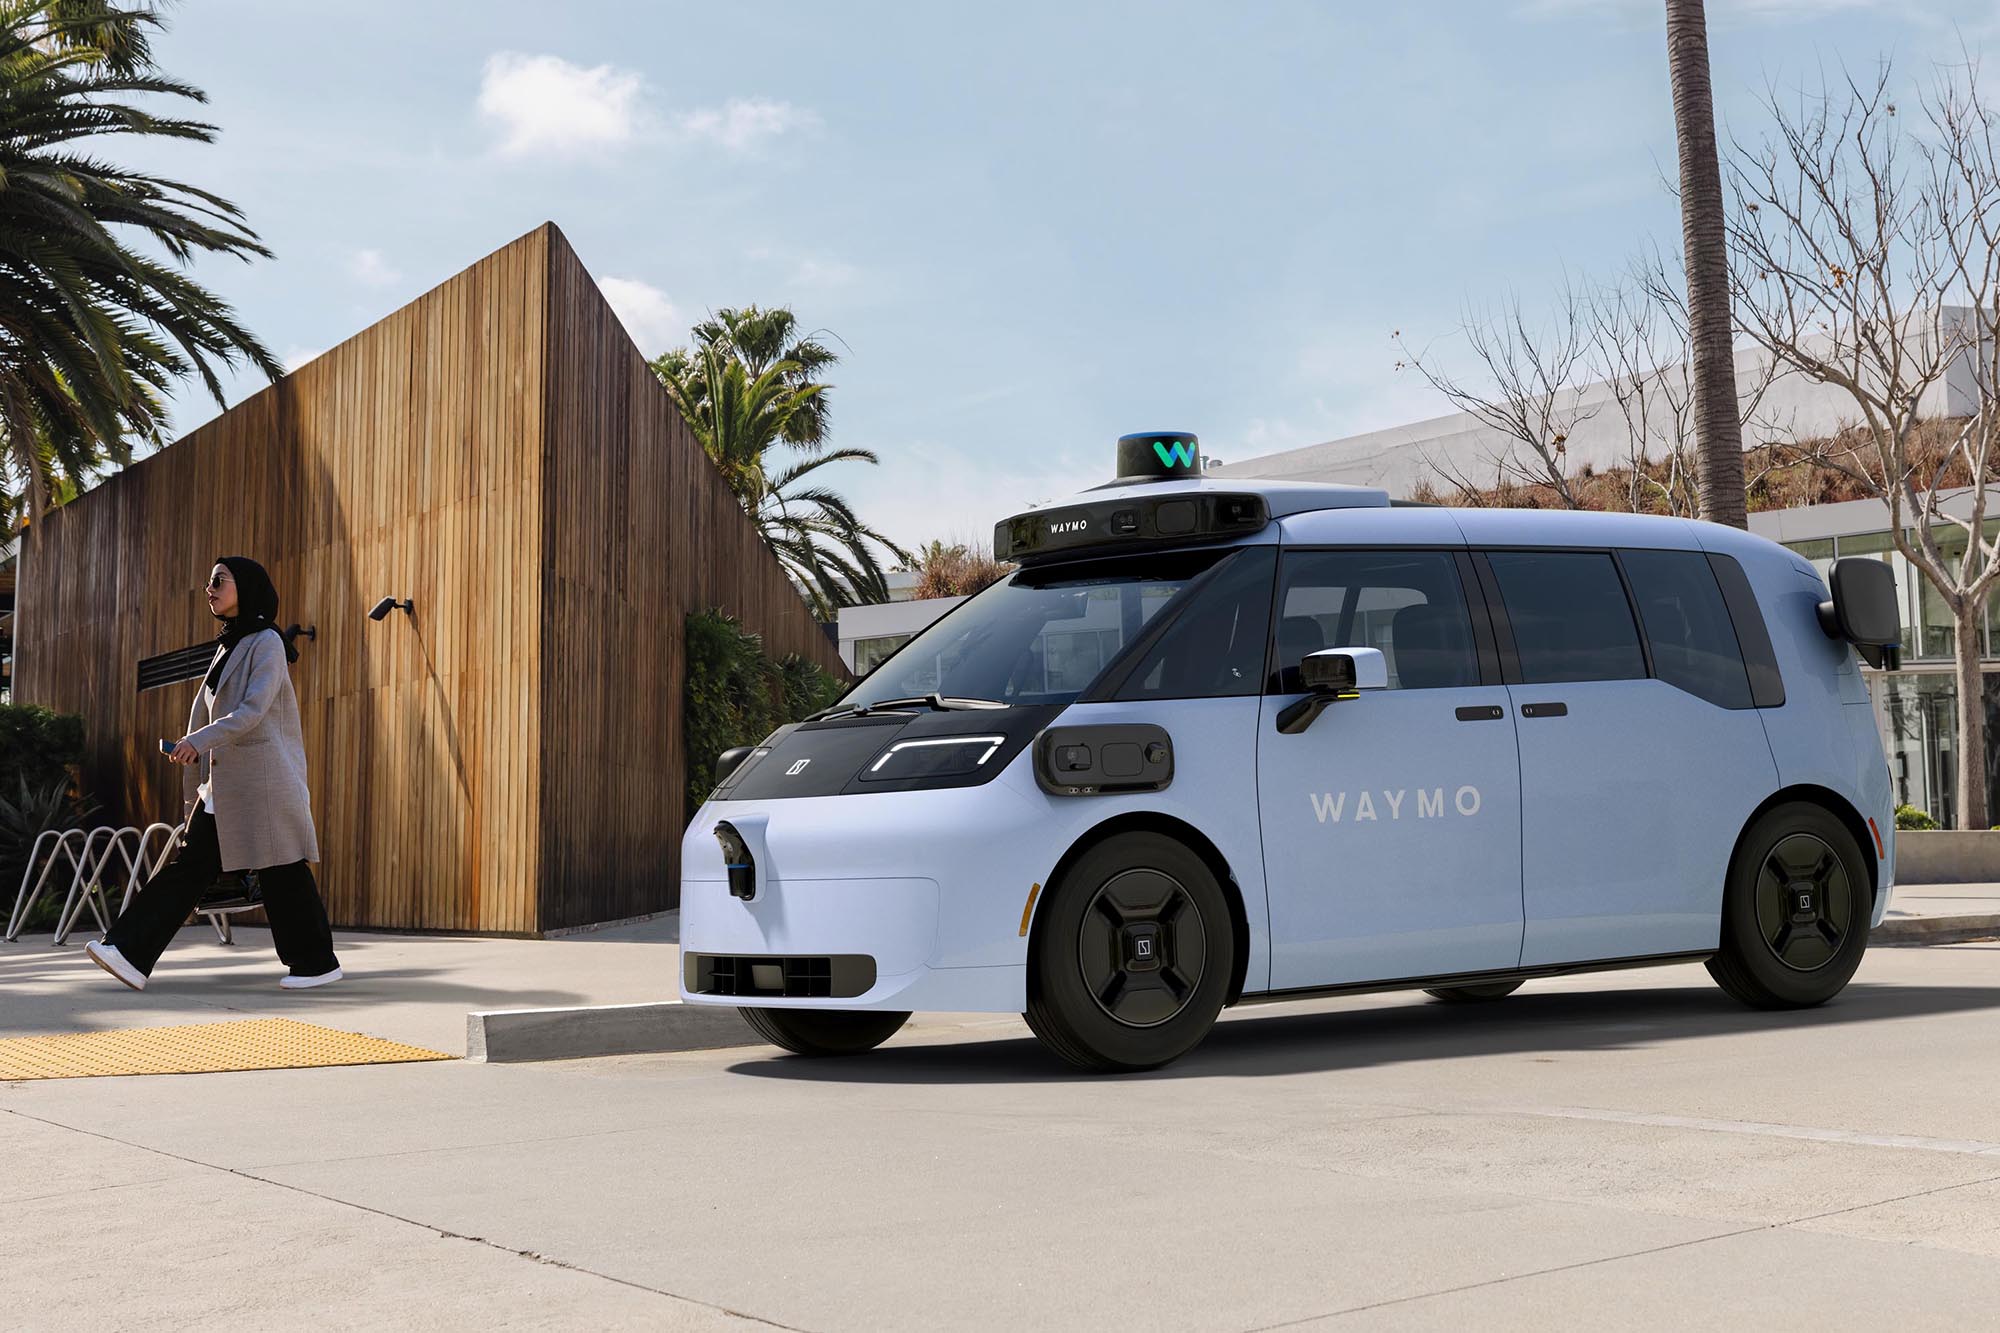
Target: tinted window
{"type": "Point", "coordinates": [1569, 614]}
{"type": "Point", "coordinates": [1687, 624]}
{"type": "Point", "coordinates": [1216, 648]}
{"type": "Point", "coordinates": [1409, 604]}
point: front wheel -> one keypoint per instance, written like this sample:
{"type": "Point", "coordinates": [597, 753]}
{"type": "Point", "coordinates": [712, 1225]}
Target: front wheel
{"type": "Point", "coordinates": [1795, 911]}
{"type": "Point", "coordinates": [824, 1031]}
{"type": "Point", "coordinates": [1133, 951]}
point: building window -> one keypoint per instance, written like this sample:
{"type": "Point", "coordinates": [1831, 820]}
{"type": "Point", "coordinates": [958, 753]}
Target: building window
{"type": "Point", "coordinates": [868, 653]}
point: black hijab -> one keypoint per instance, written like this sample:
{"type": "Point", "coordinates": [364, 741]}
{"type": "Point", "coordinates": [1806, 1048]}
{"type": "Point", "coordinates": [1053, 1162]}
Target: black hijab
{"type": "Point", "coordinates": [256, 610]}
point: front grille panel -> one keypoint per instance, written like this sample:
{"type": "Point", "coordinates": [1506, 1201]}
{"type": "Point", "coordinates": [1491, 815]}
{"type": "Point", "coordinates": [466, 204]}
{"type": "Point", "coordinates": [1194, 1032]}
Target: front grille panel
{"type": "Point", "coordinates": [791, 977]}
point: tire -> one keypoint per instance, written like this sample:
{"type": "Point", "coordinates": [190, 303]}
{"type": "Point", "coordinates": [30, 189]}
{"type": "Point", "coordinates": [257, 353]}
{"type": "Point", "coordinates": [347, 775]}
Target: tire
{"type": "Point", "coordinates": [1133, 951]}
{"type": "Point", "coordinates": [824, 1031]}
{"type": "Point", "coordinates": [1492, 990]}
{"type": "Point", "coordinates": [1795, 911]}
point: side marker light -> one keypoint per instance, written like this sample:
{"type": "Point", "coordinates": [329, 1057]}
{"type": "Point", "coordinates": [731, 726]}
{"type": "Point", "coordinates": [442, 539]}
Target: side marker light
{"type": "Point", "coordinates": [1881, 853]}
{"type": "Point", "coordinates": [1028, 910]}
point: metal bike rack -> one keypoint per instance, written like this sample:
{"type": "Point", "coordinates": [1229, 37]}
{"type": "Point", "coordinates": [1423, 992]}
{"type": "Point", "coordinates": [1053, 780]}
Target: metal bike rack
{"type": "Point", "coordinates": [86, 885]}
{"type": "Point", "coordinates": [85, 854]}
{"type": "Point", "coordinates": [63, 845]}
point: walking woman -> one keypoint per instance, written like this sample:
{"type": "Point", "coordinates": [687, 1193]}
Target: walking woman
{"type": "Point", "coordinates": [245, 792]}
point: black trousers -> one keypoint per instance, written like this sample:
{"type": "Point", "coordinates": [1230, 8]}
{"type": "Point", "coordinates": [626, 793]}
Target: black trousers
{"type": "Point", "coordinates": [291, 901]}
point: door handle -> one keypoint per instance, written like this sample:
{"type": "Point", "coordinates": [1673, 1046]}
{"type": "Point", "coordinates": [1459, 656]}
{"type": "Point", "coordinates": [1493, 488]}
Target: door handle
{"type": "Point", "coordinates": [1482, 713]}
{"type": "Point", "coordinates": [1545, 710]}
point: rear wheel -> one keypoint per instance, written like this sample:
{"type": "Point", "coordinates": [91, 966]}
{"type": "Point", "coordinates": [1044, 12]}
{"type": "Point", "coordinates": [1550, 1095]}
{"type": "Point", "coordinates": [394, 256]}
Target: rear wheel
{"type": "Point", "coordinates": [1492, 990]}
{"type": "Point", "coordinates": [1132, 958]}
{"type": "Point", "coordinates": [824, 1031]}
{"type": "Point", "coordinates": [1795, 912]}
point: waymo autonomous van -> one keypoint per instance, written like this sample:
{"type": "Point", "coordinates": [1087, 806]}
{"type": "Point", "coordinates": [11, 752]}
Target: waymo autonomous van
{"type": "Point", "coordinates": [1221, 741]}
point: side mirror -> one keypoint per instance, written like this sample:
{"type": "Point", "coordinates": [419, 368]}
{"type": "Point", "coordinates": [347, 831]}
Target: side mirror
{"type": "Point", "coordinates": [1329, 675]}
{"type": "Point", "coordinates": [1344, 672]}
{"type": "Point", "coordinates": [1863, 610]}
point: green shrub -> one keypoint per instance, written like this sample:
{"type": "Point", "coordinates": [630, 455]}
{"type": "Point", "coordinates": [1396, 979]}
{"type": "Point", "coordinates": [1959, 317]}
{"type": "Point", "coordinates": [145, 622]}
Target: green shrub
{"type": "Point", "coordinates": [37, 746]}
{"type": "Point", "coordinates": [735, 695]}
{"type": "Point", "coordinates": [23, 817]}
{"type": "Point", "coordinates": [1909, 817]}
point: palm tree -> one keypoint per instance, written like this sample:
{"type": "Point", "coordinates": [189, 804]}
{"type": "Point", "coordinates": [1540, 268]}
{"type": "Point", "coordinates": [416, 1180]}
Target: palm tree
{"type": "Point", "coordinates": [92, 331]}
{"type": "Point", "coordinates": [744, 404]}
{"type": "Point", "coordinates": [762, 339]}
{"type": "Point", "coordinates": [1718, 424]}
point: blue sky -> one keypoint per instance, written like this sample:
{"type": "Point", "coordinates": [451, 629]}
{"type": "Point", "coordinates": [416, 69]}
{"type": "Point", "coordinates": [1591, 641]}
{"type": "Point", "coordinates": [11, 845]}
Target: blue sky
{"type": "Point", "coordinates": [1034, 227]}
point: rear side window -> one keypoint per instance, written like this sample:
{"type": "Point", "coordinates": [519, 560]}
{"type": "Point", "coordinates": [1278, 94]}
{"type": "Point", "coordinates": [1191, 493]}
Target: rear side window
{"type": "Point", "coordinates": [1409, 604]}
{"type": "Point", "coordinates": [1687, 625]}
{"type": "Point", "coordinates": [1215, 649]}
{"type": "Point", "coordinates": [1569, 616]}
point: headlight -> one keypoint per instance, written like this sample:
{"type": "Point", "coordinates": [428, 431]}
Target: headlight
{"type": "Point", "coordinates": [933, 757]}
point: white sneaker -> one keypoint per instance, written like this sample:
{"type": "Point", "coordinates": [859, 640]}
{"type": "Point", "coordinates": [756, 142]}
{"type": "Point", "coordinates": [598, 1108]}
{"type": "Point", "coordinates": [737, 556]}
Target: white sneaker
{"type": "Point", "coordinates": [307, 983]}
{"type": "Point", "coordinates": [107, 957]}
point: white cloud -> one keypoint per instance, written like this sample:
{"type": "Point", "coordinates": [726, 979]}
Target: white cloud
{"type": "Point", "coordinates": [743, 123]}
{"type": "Point", "coordinates": [646, 313]}
{"type": "Point", "coordinates": [370, 269]}
{"type": "Point", "coordinates": [296, 356]}
{"type": "Point", "coordinates": [546, 105]}
{"type": "Point", "coordinates": [824, 273]}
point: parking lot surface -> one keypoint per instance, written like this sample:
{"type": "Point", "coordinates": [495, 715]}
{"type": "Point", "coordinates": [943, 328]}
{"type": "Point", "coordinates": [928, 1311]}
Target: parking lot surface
{"type": "Point", "coordinates": [1630, 1149]}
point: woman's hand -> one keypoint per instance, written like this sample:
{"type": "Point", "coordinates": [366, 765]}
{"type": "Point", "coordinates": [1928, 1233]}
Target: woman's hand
{"type": "Point", "coordinates": [184, 753]}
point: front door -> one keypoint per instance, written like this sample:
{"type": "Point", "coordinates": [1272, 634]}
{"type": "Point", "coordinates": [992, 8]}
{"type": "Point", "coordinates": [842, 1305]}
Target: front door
{"type": "Point", "coordinates": [1392, 825]}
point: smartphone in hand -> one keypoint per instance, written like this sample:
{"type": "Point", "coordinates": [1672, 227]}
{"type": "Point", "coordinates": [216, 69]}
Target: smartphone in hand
{"type": "Point", "coordinates": [167, 747]}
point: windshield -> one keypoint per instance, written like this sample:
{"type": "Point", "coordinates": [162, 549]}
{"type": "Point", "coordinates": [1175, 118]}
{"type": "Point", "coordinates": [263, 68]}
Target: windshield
{"type": "Point", "coordinates": [1039, 636]}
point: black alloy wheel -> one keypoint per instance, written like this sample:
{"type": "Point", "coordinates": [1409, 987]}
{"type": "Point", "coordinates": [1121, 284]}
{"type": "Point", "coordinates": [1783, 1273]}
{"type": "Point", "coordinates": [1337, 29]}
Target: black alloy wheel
{"type": "Point", "coordinates": [1795, 910]}
{"type": "Point", "coordinates": [1130, 957]}
{"type": "Point", "coordinates": [1142, 947]}
{"type": "Point", "coordinates": [1805, 902]}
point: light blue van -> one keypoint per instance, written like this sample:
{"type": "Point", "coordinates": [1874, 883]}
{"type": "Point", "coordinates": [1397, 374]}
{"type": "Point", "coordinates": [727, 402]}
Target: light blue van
{"type": "Point", "coordinates": [1217, 742]}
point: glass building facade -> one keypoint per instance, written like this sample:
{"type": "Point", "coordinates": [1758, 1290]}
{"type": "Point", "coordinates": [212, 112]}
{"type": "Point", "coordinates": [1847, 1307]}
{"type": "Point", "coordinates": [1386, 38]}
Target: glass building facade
{"type": "Point", "coordinates": [1917, 706]}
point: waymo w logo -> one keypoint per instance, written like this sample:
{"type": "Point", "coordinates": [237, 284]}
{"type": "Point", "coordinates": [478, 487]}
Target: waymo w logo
{"type": "Point", "coordinates": [1174, 453]}
{"type": "Point", "coordinates": [1331, 806]}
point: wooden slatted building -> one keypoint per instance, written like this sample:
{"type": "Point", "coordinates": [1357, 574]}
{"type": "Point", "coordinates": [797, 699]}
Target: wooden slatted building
{"type": "Point", "coordinates": [508, 758]}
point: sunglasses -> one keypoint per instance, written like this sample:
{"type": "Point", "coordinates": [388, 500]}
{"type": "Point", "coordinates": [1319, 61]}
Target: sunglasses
{"type": "Point", "coordinates": [220, 577]}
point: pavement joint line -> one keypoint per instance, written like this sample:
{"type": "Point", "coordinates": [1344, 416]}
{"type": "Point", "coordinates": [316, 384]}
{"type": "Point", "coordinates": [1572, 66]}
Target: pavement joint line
{"type": "Point", "coordinates": [531, 1255]}
{"type": "Point", "coordinates": [1779, 1225]}
{"type": "Point", "coordinates": [1764, 1129]}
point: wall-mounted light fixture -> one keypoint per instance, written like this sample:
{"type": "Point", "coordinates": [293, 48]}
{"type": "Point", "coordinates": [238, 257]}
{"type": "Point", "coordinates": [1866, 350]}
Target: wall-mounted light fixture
{"type": "Point", "coordinates": [381, 609]}
{"type": "Point", "coordinates": [293, 633]}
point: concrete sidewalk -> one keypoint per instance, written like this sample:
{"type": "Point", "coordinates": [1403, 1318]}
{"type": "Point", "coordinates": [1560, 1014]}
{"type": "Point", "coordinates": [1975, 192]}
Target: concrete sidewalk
{"type": "Point", "coordinates": [410, 988]}
{"type": "Point", "coordinates": [419, 988]}
{"type": "Point", "coordinates": [1940, 913]}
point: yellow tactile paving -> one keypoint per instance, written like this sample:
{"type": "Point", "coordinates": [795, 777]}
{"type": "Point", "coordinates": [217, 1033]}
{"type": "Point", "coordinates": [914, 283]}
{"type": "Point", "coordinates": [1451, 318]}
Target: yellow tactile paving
{"type": "Point", "coordinates": [198, 1048]}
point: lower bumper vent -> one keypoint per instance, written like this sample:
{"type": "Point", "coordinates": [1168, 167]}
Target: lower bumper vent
{"type": "Point", "coordinates": [824, 976]}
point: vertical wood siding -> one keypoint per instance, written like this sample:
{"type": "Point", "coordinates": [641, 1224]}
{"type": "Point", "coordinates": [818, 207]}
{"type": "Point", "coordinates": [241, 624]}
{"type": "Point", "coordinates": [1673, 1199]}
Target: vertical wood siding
{"type": "Point", "coordinates": [509, 760]}
{"type": "Point", "coordinates": [638, 529]}
{"type": "Point", "coordinates": [405, 462]}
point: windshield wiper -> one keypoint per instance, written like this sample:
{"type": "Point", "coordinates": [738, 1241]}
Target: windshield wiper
{"type": "Point", "coordinates": [936, 702]}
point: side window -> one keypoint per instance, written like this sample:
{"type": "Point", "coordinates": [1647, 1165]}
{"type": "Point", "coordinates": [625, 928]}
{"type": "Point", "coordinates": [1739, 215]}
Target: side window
{"type": "Point", "coordinates": [1569, 615]}
{"type": "Point", "coordinates": [1687, 624]}
{"type": "Point", "coordinates": [1216, 648]}
{"type": "Point", "coordinates": [1409, 604]}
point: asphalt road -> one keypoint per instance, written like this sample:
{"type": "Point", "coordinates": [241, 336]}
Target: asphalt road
{"type": "Point", "coordinates": [1628, 1150]}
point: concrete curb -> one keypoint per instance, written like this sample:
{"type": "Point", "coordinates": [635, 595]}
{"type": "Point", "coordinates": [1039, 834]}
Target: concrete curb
{"type": "Point", "coordinates": [1915, 930]}
{"type": "Point", "coordinates": [507, 1036]}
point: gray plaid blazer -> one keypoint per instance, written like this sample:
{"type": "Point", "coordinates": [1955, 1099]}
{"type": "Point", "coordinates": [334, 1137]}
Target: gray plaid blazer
{"type": "Point", "coordinates": [247, 729]}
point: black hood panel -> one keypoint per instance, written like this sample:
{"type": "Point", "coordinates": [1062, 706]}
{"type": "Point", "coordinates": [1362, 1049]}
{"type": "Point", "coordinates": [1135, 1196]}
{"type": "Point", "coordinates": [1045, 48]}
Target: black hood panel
{"type": "Point", "coordinates": [829, 758]}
